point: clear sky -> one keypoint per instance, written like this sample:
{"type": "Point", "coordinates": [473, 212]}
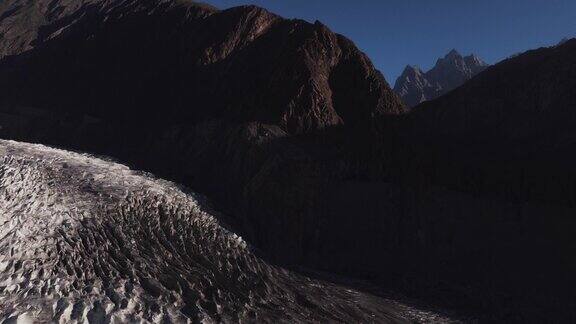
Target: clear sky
{"type": "Point", "coordinates": [395, 33]}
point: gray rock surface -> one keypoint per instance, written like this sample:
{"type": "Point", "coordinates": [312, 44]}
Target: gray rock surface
{"type": "Point", "coordinates": [415, 86]}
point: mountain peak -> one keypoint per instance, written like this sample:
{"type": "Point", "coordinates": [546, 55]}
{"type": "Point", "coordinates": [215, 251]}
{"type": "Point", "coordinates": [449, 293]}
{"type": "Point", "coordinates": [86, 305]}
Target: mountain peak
{"type": "Point", "coordinates": [474, 60]}
{"type": "Point", "coordinates": [451, 71]}
{"type": "Point", "coordinates": [239, 36]}
{"type": "Point", "coordinates": [452, 54]}
{"type": "Point", "coordinates": [411, 70]}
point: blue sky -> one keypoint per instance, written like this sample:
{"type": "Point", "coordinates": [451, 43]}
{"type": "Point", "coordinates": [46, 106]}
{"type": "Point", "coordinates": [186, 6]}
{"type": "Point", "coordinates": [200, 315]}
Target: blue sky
{"type": "Point", "coordinates": [395, 33]}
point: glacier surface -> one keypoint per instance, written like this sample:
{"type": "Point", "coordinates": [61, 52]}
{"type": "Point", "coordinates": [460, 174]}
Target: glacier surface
{"type": "Point", "coordinates": [87, 240]}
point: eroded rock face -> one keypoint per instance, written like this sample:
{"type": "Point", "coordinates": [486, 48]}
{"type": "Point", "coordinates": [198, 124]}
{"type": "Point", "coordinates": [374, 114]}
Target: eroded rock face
{"type": "Point", "coordinates": [184, 63]}
{"type": "Point", "coordinates": [415, 86]}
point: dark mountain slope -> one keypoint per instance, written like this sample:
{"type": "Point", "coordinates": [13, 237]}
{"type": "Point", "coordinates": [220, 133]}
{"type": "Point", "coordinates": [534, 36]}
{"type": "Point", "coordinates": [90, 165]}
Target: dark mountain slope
{"type": "Point", "coordinates": [291, 130]}
{"type": "Point", "coordinates": [27, 24]}
{"type": "Point", "coordinates": [506, 140]}
{"type": "Point", "coordinates": [507, 99]}
{"type": "Point", "coordinates": [513, 123]}
{"type": "Point", "coordinates": [249, 108]}
{"type": "Point", "coordinates": [207, 97]}
{"type": "Point", "coordinates": [160, 59]}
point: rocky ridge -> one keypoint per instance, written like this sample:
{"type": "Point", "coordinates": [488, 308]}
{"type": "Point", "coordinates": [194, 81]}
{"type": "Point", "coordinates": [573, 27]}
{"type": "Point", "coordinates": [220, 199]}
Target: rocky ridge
{"type": "Point", "coordinates": [254, 66]}
{"type": "Point", "coordinates": [415, 86]}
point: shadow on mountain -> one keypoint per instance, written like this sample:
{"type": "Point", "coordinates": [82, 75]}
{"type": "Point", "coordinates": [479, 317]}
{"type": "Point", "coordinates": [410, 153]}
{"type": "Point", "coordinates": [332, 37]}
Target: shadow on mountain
{"type": "Point", "coordinates": [467, 202]}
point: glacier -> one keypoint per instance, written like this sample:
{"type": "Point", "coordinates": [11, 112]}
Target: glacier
{"type": "Point", "coordinates": [84, 239]}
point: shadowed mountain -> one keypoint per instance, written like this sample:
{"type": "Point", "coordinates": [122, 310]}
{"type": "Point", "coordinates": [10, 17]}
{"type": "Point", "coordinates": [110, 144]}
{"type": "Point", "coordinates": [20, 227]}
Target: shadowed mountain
{"type": "Point", "coordinates": [506, 138]}
{"type": "Point", "coordinates": [450, 72]}
{"type": "Point", "coordinates": [230, 102]}
{"type": "Point", "coordinates": [181, 62]}
{"type": "Point", "coordinates": [294, 134]}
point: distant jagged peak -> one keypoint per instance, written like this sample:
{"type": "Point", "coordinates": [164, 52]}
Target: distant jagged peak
{"type": "Point", "coordinates": [454, 59]}
{"type": "Point", "coordinates": [453, 54]}
{"type": "Point", "coordinates": [475, 59]}
{"type": "Point", "coordinates": [412, 70]}
{"type": "Point", "coordinates": [410, 74]}
{"type": "Point", "coordinates": [449, 72]}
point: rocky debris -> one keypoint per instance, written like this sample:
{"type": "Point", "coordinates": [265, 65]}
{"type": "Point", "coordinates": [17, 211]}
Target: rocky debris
{"type": "Point", "coordinates": [450, 72]}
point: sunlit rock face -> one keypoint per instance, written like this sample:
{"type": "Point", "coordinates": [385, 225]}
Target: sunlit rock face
{"type": "Point", "coordinates": [84, 239]}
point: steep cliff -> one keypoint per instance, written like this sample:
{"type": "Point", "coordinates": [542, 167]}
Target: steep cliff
{"type": "Point", "coordinates": [180, 63]}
